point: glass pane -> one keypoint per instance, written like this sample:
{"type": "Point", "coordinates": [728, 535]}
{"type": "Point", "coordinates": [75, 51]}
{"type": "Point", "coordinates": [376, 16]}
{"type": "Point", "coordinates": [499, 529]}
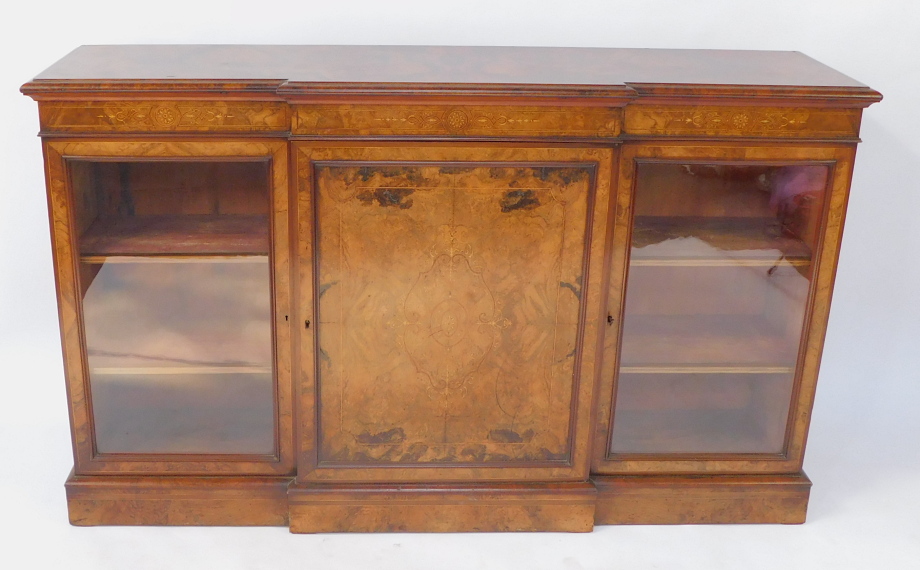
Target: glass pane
{"type": "Point", "coordinates": [699, 413]}
{"type": "Point", "coordinates": [719, 275]}
{"type": "Point", "coordinates": [174, 271]}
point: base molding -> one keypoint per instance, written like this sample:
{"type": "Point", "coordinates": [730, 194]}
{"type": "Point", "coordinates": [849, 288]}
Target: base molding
{"type": "Point", "coordinates": [208, 501]}
{"type": "Point", "coordinates": [702, 499]}
{"type": "Point", "coordinates": [484, 507]}
{"type": "Point", "coordinates": [557, 507]}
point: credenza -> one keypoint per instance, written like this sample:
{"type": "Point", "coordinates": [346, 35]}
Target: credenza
{"type": "Point", "coordinates": [391, 288]}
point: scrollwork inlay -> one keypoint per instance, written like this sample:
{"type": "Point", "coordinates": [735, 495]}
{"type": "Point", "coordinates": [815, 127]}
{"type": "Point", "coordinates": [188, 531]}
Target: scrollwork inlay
{"type": "Point", "coordinates": [740, 121]}
{"type": "Point", "coordinates": [164, 116]}
{"type": "Point", "coordinates": [455, 120]}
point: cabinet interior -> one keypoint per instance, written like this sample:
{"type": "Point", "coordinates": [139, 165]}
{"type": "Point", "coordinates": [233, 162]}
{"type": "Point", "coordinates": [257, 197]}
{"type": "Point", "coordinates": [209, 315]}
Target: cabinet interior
{"type": "Point", "coordinates": [175, 281]}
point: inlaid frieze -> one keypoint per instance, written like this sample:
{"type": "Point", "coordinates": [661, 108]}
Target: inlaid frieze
{"type": "Point", "coordinates": [141, 116]}
{"type": "Point", "coordinates": [742, 121]}
{"type": "Point", "coordinates": [465, 120]}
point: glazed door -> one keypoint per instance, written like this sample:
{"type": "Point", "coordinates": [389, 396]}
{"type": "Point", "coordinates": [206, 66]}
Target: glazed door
{"type": "Point", "coordinates": [720, 290]}
{"type": "Point", "coordinates": [449, 297]}
{"type": "Point", "coordinates": [175, 339]}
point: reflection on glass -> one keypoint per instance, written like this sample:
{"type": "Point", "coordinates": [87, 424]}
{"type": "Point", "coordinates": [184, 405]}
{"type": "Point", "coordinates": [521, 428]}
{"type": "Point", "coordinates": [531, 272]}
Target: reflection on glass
{"type": "Point", "coordinates": [704, 412]}
{"type": "Point", "coordinates": [174, 271]}
{"type": "Point", "coordinates": [720, 268]}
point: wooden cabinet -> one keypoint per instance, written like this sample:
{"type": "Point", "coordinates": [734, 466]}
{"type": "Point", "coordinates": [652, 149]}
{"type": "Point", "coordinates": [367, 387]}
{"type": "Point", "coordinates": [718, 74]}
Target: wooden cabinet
{"type": "Point", "coordinates": [438, 289]}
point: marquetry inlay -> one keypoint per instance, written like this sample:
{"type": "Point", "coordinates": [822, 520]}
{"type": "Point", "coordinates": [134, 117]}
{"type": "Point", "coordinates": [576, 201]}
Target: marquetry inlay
{"type": "Point", "coordinates": [394, 120]}
{"type": "Point", "coordinates": [741, 121]}
{"type": "Point", "coordinates": [140, 116]}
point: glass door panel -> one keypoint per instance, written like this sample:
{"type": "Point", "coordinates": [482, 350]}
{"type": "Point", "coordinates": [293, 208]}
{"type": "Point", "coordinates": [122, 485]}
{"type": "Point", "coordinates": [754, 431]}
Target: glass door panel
{"type": "Point", "coordinates": [175, 283]}
{"type": "Point", "coordinates": [718, 280]}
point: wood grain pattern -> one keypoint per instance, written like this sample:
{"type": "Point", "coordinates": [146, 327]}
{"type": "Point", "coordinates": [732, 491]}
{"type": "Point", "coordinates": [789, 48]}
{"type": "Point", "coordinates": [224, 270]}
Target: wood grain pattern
{"type": "Point", "coordinates": [87, 459]}
{"type": "Point", "coordinates": [817, 318]}
{"type": "Point", "coordinates": [674, 499]}
{"type": "Point", "coordinates": [485, 121]}
{"type": "Point", "coordinates": [177, 501]}
{"type": "Point", "coordinates": [432, 348]}
{"type": "Point", "coordinates": [423, 306]}
{"type": "Point", "coordinates": [557, 507]}
{"type": "Point", "coordinates": [425, 70]}
{"type": "Point", "coordinates": [450, 329]}
{"type": "Point", "coordinates": [163, 116]}
{"type": "Point", "coordinates": [741, 121]}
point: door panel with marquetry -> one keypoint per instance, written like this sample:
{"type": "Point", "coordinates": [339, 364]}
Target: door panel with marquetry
{"type": "Point", "coordinates": [457, 295]}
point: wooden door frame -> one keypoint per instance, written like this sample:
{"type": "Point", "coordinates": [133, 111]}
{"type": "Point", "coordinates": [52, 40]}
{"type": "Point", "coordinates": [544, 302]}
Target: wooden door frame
{"type": "Point", "coordinates": [840, 157]}
{"type": "Point", "coordinates": [66, 259]}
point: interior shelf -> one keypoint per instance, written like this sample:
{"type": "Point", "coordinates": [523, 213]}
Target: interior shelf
{"type": "Point", "coordinates": [176, 235]}
{"type": "Point", "coordinates": [652, 369]}
{"type": "Point", "coordinates": [171, 370]}
{"type": "Point", "coordinates": [685, 240]}
{"type": "Point", "coordinates": [705, 343]}
{"type": "Point", "coordinates": [173, 258]}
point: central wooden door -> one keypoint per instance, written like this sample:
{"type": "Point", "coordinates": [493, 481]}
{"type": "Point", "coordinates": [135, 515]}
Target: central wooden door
{"type": "Point", "coordinates": [450, 300]}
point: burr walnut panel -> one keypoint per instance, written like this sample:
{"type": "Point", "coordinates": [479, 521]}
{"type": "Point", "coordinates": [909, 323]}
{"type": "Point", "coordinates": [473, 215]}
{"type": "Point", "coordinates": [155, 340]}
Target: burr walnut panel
{"type": "Point", "coordinates": [455, 289]}
{"type": "Point", "coordinates": [450, 296]}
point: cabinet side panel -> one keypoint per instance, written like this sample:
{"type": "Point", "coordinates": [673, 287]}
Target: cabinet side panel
{"type": "Point", "coordinates": [68, 304]}
{"type": "Point", "coordinates": [819, 311]}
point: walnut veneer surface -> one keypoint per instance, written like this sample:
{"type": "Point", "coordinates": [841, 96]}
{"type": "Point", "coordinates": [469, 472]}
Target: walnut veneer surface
{"type": "Point", "coordinates": [403, 288]}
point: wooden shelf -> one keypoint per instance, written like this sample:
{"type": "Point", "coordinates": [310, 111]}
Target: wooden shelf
{"type": "Point", "coordinates": [176, 370]}
{"type": "Point", "coordinates": [215, 353]}
{"type": "Point", "coordinates": [651, 369]}
{"type": "Point", "coordinates": [705, 344]}
{"type": "Point", "coordinates": [176, 235]}
{"type": "Point", "coordinates": [174, 258]}
{"type": "Point", "coordinates": [723, 262]}
{"type": "Point", "coordinates": [714, 241]}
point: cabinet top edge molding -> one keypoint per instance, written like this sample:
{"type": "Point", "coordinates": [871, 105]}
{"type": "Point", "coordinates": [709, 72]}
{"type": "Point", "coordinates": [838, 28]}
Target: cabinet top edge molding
{"type": "Point", "coordinates": [292, 72]}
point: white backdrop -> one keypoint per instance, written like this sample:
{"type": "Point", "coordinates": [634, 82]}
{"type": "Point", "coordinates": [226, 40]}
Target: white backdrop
{"type": "Point", "coordinates": [864, 448]}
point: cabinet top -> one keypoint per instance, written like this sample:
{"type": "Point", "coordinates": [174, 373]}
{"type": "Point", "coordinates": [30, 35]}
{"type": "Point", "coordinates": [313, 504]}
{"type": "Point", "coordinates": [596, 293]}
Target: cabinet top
{"type": "Point", "coordinates": [443, 70]}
